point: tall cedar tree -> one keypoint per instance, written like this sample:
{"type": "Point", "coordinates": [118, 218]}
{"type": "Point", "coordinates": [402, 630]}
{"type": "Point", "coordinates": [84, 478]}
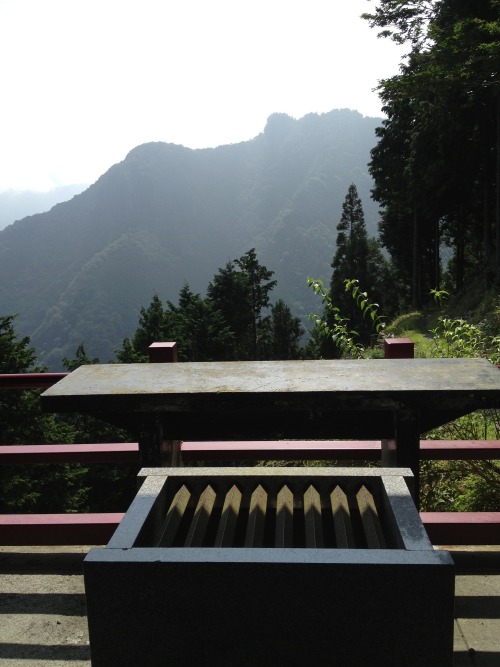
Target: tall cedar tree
{"type": "Point", "coordinates": [356, 257]}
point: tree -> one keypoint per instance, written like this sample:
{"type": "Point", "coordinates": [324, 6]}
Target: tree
{"type": "Point", "coordinates": [404, 21]}
{"type": "Point", "coordinates": [356, 257]}
{"type": "Point", "coordinates": [16, 356]}
{"type": "Point", "coordinates": [240, 291]}
{"type": "Point", "coordinates": [285, 332]}
{"type": "Point", "coordinates": [152, 327]}
{"type": "Point", "coordinates": [351, 255]}
{"type": "Point", "coordinates": [21, 418]}
{"type": "Point", "coordinates": [437, 164]}
{"type": "Point", "coordinates": [228, 293]}
{"type": "Point", "coordinates": [200, 330]}
{"type": "Point", "coordinates": [258, 286]}
{"type": "Point", "coordinates": [37, 488]}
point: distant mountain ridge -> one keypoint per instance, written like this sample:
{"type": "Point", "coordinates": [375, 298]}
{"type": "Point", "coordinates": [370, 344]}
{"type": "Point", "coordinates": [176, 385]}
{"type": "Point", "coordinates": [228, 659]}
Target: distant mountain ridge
{"type": "Point", "coordinates": [16, 205]}
{"type": "Point", "coordinates": [167, 215]}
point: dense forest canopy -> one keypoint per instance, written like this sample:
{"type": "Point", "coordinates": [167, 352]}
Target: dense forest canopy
{"type": "Point", "coordinates": [436, 165]}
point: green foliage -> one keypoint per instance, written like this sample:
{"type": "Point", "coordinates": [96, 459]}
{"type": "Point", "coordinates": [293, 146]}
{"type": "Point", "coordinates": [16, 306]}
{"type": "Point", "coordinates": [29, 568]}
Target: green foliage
{"type": "Point", "coordinates": [54, 488]}
{"type": "Point", "coordinates": [199, 328]}
{"type": "Point", "coordinates": [284, 332]}
{"type": "Point", "coordinates": [241, 293]}
{"type": "Point", "coordinates": [21, 417]}
{"type": "Point", "coordinates": [463, 485]}
{"type": "Point", "coordinates": [404, 323]}
{"type": "Point", "coordinates": [229, 324]}
{"type": "Point", "coordinates": [444, 485]}
{"type": "Point", "coordinates": [335, 327]}
{"type": "Point", "coordinates": [456, 337]}
{"type": "Point", "coordinates": [404, 22]}
{"type": "Point", "coordinates": [357, 255]}
{"type": "Point", "coordinates": [22, 421]}
{"type": "Point", "coordinates": [435, 172]}
{"type": "Point", "coordinates": [16, 356]}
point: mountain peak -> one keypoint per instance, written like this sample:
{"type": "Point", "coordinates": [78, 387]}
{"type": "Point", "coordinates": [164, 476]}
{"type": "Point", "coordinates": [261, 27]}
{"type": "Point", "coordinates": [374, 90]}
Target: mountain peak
{"type": "Point", "coordinates": [167, 215]}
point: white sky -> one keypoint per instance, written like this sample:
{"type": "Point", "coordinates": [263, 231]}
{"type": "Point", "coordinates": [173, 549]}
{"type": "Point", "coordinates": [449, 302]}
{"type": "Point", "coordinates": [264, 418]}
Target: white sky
{"type": "Point", "coordinates": [84, 82]}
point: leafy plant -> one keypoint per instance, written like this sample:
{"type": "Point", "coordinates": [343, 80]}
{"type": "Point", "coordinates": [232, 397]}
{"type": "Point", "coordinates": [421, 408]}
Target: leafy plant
{"type": "Point", "coordinates": [463, 485]}
{"type": "Point", "coordinates": [334, 326]}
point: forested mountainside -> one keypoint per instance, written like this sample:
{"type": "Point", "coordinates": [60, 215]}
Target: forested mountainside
{"type": "Point", "coordinates": [169, 215]}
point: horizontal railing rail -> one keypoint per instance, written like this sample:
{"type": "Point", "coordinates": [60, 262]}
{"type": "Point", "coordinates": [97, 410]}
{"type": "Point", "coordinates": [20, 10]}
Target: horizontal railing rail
{"type": "Point", "coordinates": [443, 527]}
{"type": "Point", "coordinates": [338, 450]}
{"type": "Point", "coordinates": [64, 528]}
{"type": "Point", "coordinates": [29, 380]}
{"type": "Point", "coordinates": [109, 452]}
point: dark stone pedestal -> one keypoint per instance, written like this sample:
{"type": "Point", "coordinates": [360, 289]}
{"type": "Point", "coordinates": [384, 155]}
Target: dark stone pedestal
{"type": "Point", "coordinates": [153, 605]}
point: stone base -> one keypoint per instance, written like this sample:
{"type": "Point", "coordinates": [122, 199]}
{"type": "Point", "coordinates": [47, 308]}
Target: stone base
{"type": "Point", "coordinates": [154, 607]}
{"type": "Point", "coordinates": [256, 607]}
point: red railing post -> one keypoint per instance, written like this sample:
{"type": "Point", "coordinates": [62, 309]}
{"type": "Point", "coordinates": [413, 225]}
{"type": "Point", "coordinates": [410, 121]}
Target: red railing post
{"type": "Point", "coordinates": [162, 353]}
{"type": "Point", "coordinates": [162, 450]}
{"type": "Point", "coordinates": [399, 348]}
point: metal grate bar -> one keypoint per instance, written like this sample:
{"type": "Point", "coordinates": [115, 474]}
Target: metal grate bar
{"type": "Point", "coordinates": [312, 516]}
{"type": "Point", "coordinates": [174, 517]}
{"type": "Point", "coordinates": [344, 535]}
{"type": "Point", "coordinates": [202, 515]}
{"type": "Point", "coordinates": [279, 516]}
{"type": "Point", "coordinates": [284, 518]}
{"type": "Point", "coordinates": [369, 517]}
{"type": "Point", "coordinates": [229, 518]}
{"type": "Point", "coordinates": [256, 518]}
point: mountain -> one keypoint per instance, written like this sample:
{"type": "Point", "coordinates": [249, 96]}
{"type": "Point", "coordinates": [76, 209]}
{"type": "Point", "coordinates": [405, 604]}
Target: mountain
{"type": "Point", "coordinates": [167, 215]}
{"type": "Point", "coordinates": [16, 205]}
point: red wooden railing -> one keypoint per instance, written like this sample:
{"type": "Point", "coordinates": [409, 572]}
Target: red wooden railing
{"type": "Point", "coordinates": [97, 528]}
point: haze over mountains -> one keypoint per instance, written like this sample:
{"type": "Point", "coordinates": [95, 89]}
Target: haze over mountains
{"type": "Point", "coordinates": [16, 205]}
{"type": "Point", "coordinates": [168, 215]}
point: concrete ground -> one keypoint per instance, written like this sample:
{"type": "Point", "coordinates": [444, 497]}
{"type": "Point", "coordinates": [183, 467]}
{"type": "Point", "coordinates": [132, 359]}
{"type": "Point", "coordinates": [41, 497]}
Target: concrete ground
{"type": "Point", "coordinates": [43, 617]}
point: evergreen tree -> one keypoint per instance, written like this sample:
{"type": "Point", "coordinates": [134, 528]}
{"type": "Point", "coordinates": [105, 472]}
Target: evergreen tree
{"type": "Point", "coordinates": [199, 329]}
{"type": "Point", "coordinates": [241, 292]}
{"type": "Point", "coordinates": [21, 418]}
{"type": "Point", "coordinates": [152, 327]}
{"type": "Point", "coordinates": [81, 359]}
{"type": "Point", "coordinates": [127, 354]}
{"type": "Point", "coordinates": [436, 173]}
{"type": "Point", "coordinates": [228, 294]}
{"type": "Point", "coordinates": [42, 488]}
{"type": "Point", "coordinates": [356, 257]}
{"type": "Point", "coordinates": [258, 287]}
{"type": "Point", "coordinates": [285, 332]}
{"type": "Point", "coordinates": [351, 256]}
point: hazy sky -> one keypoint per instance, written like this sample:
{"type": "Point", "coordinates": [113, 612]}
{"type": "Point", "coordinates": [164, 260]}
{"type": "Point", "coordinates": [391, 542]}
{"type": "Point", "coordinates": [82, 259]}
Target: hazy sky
{"type": "Point", "coordinates": [84, 82]}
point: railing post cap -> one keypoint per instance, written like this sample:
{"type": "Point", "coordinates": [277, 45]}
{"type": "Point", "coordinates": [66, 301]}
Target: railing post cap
{"type": "Point", "coordinates": [162, 352]}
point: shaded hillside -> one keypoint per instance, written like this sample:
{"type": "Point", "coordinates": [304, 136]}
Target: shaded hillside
{"type": "Point", "coordinates": [167, 215]}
